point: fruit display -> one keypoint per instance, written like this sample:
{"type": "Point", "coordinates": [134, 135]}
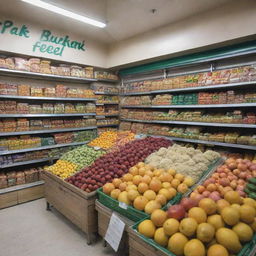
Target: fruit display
{"type": "Point", "coordinates": [236, 116]}
{"type": "Point", "coordinates": [224, 76]}
{"type": "Point", "coordinates": [203, 227]}
{"type": "Point", "coordinates": [82, 156]}
{"type": "Point", "coordinates": [147, 188]}
{"type": "Point", "coordinates": [14, 107]}
{"type": "Point", "coordinates": [116, 164]}
{"type": "Point", "coordinates": [250, 188]}
{"type": "Point", "coordinates": [186, 161]}
{"type": "Point", "coordinates": [232, 176]}
{"type": "Point", "coordinates": [110, 139]}
{"type": "Point", "coordinates": [19, 177]}
{"type": "Point", "coordinates": [228, 97]}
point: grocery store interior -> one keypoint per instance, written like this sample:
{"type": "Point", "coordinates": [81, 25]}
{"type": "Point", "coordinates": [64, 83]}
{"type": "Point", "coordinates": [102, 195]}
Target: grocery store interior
{"type": "Point", "coordinates": [127, 128]}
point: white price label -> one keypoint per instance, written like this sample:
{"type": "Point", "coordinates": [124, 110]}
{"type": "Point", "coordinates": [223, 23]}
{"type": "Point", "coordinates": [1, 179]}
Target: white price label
{"type": "Point", "coordinates": [115, 231]}
{"type": "Point", "coordinates": [96, 148]}
{"type": "Point", "coordinates": [123, 205]}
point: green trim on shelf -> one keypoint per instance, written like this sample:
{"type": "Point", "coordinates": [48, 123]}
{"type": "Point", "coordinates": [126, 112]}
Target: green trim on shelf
{"type": "Point", "coordinates": [218, 53]}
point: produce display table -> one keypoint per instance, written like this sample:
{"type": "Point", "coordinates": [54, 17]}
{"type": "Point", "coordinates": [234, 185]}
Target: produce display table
{"type": "Point", "coordinates": [104, 215]}
{"type": "Point", "coordinates": [75, 204]}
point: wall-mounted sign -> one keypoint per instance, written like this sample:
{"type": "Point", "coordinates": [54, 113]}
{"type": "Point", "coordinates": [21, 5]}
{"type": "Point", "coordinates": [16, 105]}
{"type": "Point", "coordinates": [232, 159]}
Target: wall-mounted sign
{"type": "Point", "coordinates": [47, 41]}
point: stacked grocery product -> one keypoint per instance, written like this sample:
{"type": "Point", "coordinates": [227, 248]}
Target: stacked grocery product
{"type": "Point", "coordinates": [228, 97]}
{"type": "Point", "coordinates": [232, 75]}
{"type": "Point", "coordinates": [105, 89]}
{"type": "Point", "coordinates": [101, 99]}
{"type": "Point", "coordinates": [14, 107]}
{"type": "Point", "coordinates": [12, 178]}
{"type": "Point", "coordinates": [58, 91]}
{"type": "Point", "coordinates": [235, 116]}
{"type": "Point", "coordinates": [23, 142]}
{"type": "Point", "coordinates": [107, 110]}
{"type": "Point", "coordinates": [109, 121]}
{"type": "Point", "coordinates": [74, 160]}
{"type": "Point", "coordinates": [105, 75]}
{"type": "Point", "coordinates": [115, 164]}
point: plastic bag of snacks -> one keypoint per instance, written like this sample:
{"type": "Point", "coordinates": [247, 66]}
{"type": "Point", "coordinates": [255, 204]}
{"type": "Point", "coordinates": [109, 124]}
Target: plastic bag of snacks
{"type": "Point", "coordinates": [21, 64]}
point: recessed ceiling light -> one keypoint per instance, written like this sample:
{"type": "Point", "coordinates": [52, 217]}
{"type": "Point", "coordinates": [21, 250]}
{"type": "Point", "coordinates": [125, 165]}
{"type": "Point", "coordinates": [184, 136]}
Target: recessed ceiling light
{"type": "Point", "coordinates": [61, 11]}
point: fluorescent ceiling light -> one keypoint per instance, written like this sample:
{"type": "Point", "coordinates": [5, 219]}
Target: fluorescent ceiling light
{"type": "Point", "coordinates": [64, 12]}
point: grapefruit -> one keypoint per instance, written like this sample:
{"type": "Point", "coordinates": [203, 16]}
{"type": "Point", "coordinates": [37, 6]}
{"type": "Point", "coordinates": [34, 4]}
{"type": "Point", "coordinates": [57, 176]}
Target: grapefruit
{"type": "Point", "coordinates": [160, 237]}
{"type": "Point", "coordinates": [171, 226]}
{"type": "Point", "coordinates": [198, 214]}
{"type": "Point", "coordinates": [217, 250]}
{"type": "Point", "coordinates": [194, 247]}
{"type": "Point", "coordinates": [147, 228]}
{"type": "Point", "coordinates": [158, 217]}
{"type": "Point", "coordinates": [188, 227]}
{"type": "Point", "coordinates": [177, 243]}
{"type": "Point", "coordinates": [208, 205]}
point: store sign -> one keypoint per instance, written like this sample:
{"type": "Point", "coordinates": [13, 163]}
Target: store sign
{"type": "Point", "coordinates": [47, 41]}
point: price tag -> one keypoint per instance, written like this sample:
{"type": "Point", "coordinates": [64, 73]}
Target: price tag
{"type": "Point", "coordinates": [140, 136]}
{"type": "Point", "coordinates": [96, 148]}
{"type": "Point", "coordinates": [123, 205]}
{"type": "Point", "coordinates": [115, 231]}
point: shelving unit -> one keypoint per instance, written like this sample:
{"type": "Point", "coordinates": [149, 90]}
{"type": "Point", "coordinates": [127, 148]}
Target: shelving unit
{"type": "Point", "coordinates": [107, 125]}
{"type": "Point", "coordinates": [192, 123]}
{"type": "Point", "coordinates": [44, 98]}
{"type": "Point", "coordinates": [45, 115]}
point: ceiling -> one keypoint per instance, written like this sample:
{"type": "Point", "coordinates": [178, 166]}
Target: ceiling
{"type": "Point", "coordinates": [125, 18]}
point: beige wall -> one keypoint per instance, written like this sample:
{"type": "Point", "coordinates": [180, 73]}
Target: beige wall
{"type": "Point", "coordinates": [95, 53]}
{"type": "Point", "coordinates": [230, 22]}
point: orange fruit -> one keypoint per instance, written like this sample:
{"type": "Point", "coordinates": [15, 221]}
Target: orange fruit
{"type": "Point", "coordinates": [182, 188]}
{"type": "Point", "coordinates": [233, 197]}
{"type": "Point", "coordinates": [161, 199]}
{"type": "Point", "coordinates": [147, 228]}
{"type": "Point", "coordinates": [146, 179]}
{"type": "Point", "coordinates": [136, 180]}
{"type": "Point", "coordinates": [198, 214]}
{"type": "Point", "coordinates": [217, 250]}
{"type": "Point", "coordinates": [116, 182]}
{"type": "Point", "coordinates": [122, 186]}
{"type": "Point", "coordinates": [158, 217]}
{"type": "Point", "coordinates": [142, 187]}
{"type": "Point", "coordinates": [150, 194]}
{"type": "Point", "coordinates": [208, 205]}
{"type": "Point", "coordinates": [165, 192]}
{"type": "Point", "coordinates": [140, 202]}
{"type": "Point", "coordinates": [179, 177]}
{"type": "Point", "coordinates": [132, 194]}
{"type": "Point", "coordinates": [108, 187]}
{"type": "Point", "coordinates": [127, 177]}
{"type": "Point", "coordinates": [155, 185]}
{"type": "Point", "coordinates": [134, 170]}
{"type": "Point", "coordinates": [175, 183]}
{"type": "Point", "coordinates": [171, 226]}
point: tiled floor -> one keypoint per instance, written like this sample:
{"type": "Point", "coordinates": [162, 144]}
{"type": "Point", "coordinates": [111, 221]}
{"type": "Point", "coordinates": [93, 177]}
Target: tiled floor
{"type": "Point", "coordinates": [29, 230]}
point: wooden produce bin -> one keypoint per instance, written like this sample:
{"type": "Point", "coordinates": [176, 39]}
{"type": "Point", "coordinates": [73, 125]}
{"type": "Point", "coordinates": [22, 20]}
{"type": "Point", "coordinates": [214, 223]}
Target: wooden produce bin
{"type": "Point", "coordinates": [75, 204]}
{"type": "Point", "coordinates": [104, 215]}
{"type": "Point", "coordinates": [137, 247]}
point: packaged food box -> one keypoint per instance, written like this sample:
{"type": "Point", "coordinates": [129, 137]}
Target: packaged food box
{"type": "Point", "coordinates": [20, 178]}
{"type": "Point", "coordinates": [11, 178]}
{"type": "Point", "coordinates": [21, 64]}
{"type": "Point", "coordinates": [23, 90]}
{"type": "Point", "coordinates": [3, 181]}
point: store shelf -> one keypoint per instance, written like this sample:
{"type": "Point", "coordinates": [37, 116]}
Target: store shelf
{"type": "Point", "coordinates": [44, 115]}
{"type": "Point", "coordinates": [20, 187]}
{"type": "Point", "coordinates": [215, 143]}
{"type": "Point", "coordinates": [27, 74]}
{"type": "Point", "coordinates": [107, 80]}
{"type": "Point", "coordinates": [106, 93]}
{"type": "Point", "coordinates": [28, 162]}
{"type": "Point", "coordinates": [10, 152]}
{"type": "Point", "coordinates": [192, 123]}
{"type": "Point", "coordinates": [109, 103]}
{"type": "Point", "coordinates": [106, 125]}
{"type": "Point", "coordinates": [240, 105]}
{"type": "Point", "coordinates": [45, 98]}
{"type": "Point", "coordinates": [3, 134]}
{"type": "Point", "coordinates": [198, 88]}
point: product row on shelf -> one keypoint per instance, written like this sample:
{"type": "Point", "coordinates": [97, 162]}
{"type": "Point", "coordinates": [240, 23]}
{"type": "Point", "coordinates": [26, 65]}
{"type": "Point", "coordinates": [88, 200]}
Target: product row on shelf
{"type": "Point", "coordinates": [37, 65]}
{"type": "Point", "coordinates": [201, 98]}
{"type": "Point", "coordinates": [202, 79]}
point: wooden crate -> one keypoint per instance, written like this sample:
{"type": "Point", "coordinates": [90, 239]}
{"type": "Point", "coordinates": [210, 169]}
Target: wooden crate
{"type": "Point", "coordinates": [138, 247]}
{"type": "Point", "coordinates": [75, 204]}
{"type": "Point", "coordinates": [21, 193]}
{"type": "Point", "coordinates": [104, 215]}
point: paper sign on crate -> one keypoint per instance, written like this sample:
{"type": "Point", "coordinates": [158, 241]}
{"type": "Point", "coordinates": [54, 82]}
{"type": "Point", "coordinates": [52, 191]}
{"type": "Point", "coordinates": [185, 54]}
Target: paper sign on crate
{"type": "Point", "coordinates": [114, 232]}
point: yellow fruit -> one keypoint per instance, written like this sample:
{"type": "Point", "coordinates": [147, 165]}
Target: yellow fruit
{"type": "Point", "coordinates": [217, 250]}
{"type": "Point", "coordinates": [165, 177]}
{"type": "Point", "coordinates": [131, 187]}
{"type": "Point", "coordinates": [233, 197]}
{"type": "Point", "coordinates": [171, 226]}
{"type": "Point", "coordinates": [189, 181]}
{"type": "Point", "coordinates": [166, 185]}
{"type": "Point", "coordinates": [151, 206]}
{"type": "Point", "coordinates": [122, 186]}
{"type": "Point", "coordinates": [182, 188]}
{"type": "Point", "coordinates": [171, 171]}
{"type": "Point", "coordinates": [175, 183]}
{"type": "Point", "coordinates": [146, 179]}
{"type": "Point", "coordinates": [142, 187]}
{"type": "Point", "coordinates": [208, 245]}
{"type": "Point", "coordinates": [188, 227]}
{"type": "Point", "coordinates": [253, 225]}
{"type": "Point", "coordinates": [123, 197]}
{"type": "Point", "coordinates": [142, 171]}
{"type": "Point", "coordinates": [243, 231]}
{"type": "Point", "coordinates": [160, 237]}
{"type": "Point", "coordinates": [249, 201]}
{"type": "Point", "coordinates": [132, 194]}
{"type": "Point", "coordinates": [205, 232]}
{"type": "Point", "coordinates": [177, 243]}
{"type": "Point", "coordinates": [147, 228]}
{"type": "Point", "coordinates": [134, 171]}
{"type": "Point", "coordinates": [221, 204]}
{"type": "Point", "coordinates": [140, 164]}
{"type": "Point", "coordinates": [140, 202]}
{"type": "Point", "coordinates": [173, 192]}
{"type": "Point", "coordinates": [230, 215]}
{"type": "Point", "coordinates": [235, 206]}
{"type": "Point", "coordinates": [165, 192]}
{"type": "Point", "coordinates": [155, 185]}
{"type": "Point", "coordinates": [108, 187]}
{"type": "Point", "coordinates": [158, 217]}
{"type": "Point", "coordinates": [194, 247]}
{"type": "Point", "coordinates": [150, 194]}
{"type": "Point", "coordinates": [247, 213]}
{"type": "Point", "coordinates": [115, 193]}
{"type": "Point", "coordinates": [116, 182]}
{"type": "Point", "coordinates": [229, 239]}
{"type": "Point", "coordinates": [208, 205]}
{"type": "Point", "coordinates": [161, 199]}
{"type": "Point", "coordinates": [137, 180]}
{"type": "Point", "coordinates": [127, 177]}
{"type": "Point", "coordinates": [198, 214]}
{"type": "Point", "coordinates": [216, 220]}
{"type": "Point", "coordinates": [179, 177]}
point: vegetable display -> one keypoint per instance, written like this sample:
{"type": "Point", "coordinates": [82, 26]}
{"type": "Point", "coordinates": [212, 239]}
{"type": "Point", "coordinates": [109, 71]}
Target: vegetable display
{"type": "Point", "coordinates": [116, 164]}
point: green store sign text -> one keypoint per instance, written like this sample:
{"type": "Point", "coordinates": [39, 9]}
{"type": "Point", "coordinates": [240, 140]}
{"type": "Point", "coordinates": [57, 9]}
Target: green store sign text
{"type": "Point", "coordinates": [47, 41]}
